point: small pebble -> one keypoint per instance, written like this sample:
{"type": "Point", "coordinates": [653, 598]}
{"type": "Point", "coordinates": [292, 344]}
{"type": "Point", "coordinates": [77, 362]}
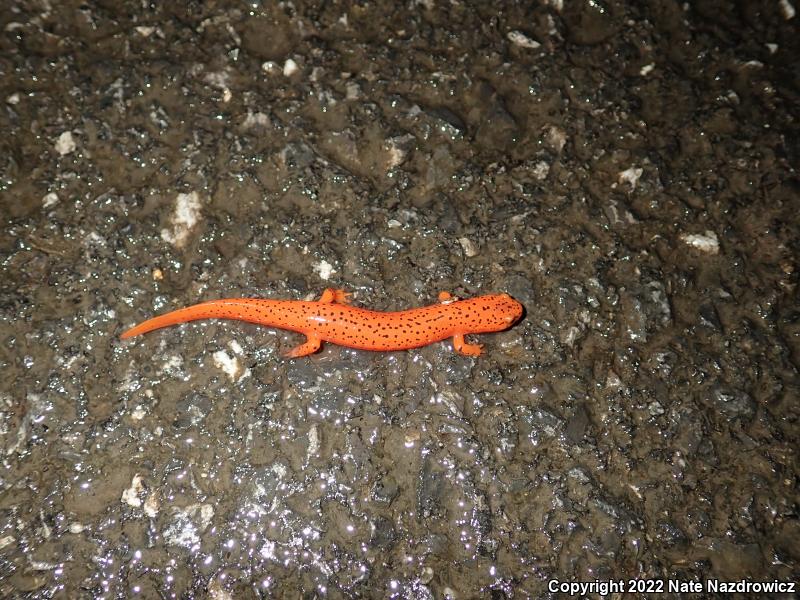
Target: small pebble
{"type": "Point", "coordinates": [705, 243]}
{"type": "Point", "coordinates": [523, 41]}
{"type": "Point", "coordinates": [290, 67]}
{"type": "Point", "coordinates": [468, 247]}
{"type": "Point", "coordinates": [65, 143]}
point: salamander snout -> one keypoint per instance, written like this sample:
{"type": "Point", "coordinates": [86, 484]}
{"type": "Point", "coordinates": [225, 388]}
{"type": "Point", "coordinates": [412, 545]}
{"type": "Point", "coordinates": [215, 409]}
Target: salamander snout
{"type": "Point", "coordinates": [502, 312]}
{"type": "Point", "coordinates": [512, 310]}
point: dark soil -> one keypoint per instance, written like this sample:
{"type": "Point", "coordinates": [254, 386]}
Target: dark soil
{"type": "Point", "coordinates": [627, 171]}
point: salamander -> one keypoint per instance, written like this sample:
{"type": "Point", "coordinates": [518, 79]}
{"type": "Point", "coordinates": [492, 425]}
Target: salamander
{"type": "Point", "coordinates": [333, 319]}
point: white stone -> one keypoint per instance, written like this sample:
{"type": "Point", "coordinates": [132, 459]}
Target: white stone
{"type": "Point", "coordinates": [229, 365]}
{"type": "Point", "coordinates": [65, 143]}
{"type": "Point", "coordinates": [705, 243]}
{"type": "Point", "coordinates": [130, 496]}
{"type": "Point", "coordinates": [523, 41]}
{"type": "Point", "coordinates": [787, 9]}
{"type": "Point", "coordinates": [631, 176]}
{"type": "Point", "coordinates": [50, 200]}
{"type": "Point", "coordinates": [290, 67]}
{"type": "Point", "coordinates": [468, 247]}
{"type": "Point", "coordinates": [324, 269]}
{"type": "Point", "coordinates": [183, 220]}
{"type": "Point", "coordinates": [152, 505]}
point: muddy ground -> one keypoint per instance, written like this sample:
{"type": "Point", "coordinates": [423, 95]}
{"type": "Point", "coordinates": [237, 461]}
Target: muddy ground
{"type": "Point", "coordinates": [626, 171]}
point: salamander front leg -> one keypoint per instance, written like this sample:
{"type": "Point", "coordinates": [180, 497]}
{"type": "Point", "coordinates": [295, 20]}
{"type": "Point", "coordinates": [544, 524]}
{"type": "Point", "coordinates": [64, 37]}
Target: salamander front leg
{"type": "Point", "coordinates": [464, 348]}
{"type": "Point", "coordinates": [334, 296]}
{"type": "Point", "coordinates": [311, 345]}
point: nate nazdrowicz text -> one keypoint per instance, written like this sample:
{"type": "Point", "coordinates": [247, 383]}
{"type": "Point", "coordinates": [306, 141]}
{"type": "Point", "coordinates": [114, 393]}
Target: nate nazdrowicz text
{"type": "Point", "coordinates": [670, 586]}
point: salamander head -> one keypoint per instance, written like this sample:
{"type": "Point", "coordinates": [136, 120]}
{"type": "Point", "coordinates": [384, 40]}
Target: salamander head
{"type": "Point", "coordinates": [497, 312]}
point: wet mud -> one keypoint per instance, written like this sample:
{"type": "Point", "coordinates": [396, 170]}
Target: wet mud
{"type": "Point", "coordinates": [627, 171]}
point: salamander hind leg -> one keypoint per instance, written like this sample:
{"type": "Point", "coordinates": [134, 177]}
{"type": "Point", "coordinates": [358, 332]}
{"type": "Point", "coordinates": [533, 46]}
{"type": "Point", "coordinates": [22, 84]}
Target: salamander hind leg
{"type": "Point", "coordinates": [334, 296]}
{"type": "Point", "coordinates": [445, 297]}
{"type": "Point", "coordinates": [311, 345]}
{"type": "Point", "coordinates": [464, 348]}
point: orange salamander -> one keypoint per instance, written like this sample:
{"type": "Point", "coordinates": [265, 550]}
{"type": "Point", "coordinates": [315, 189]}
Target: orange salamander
{"type": "Point", "coordinates": [332, 319]}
